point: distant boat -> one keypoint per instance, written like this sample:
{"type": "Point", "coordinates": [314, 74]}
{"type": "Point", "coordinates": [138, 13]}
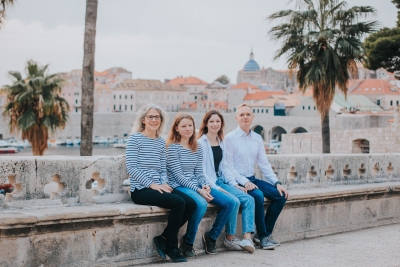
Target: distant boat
{"type": "Point", "coordinates": [54, 142]}
{"type": "Point", "coordinates": [77, 141]}
{"type": "Point", "coordinates": [6, 148]}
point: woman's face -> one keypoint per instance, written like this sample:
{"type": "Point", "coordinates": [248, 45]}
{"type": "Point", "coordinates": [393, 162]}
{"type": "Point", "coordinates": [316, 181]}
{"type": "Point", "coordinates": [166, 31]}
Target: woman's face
{"type": "Point", "coordinates": [185, 128]}
{"type": "Point", "coordinates": [152, 120]}
{"type": "Point", "coordinates": [214, 124]}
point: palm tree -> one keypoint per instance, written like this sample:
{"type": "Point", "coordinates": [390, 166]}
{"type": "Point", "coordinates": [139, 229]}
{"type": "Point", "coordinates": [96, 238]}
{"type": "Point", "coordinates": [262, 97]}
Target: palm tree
{"type": "Point", "coordinates": [88, 78]}
{"type": "Point", "coordinates": [34, 105]}
{"type": "Point", "coordinates": [3, 5]}
{"type": "Point", "coordinates": [321, 40]}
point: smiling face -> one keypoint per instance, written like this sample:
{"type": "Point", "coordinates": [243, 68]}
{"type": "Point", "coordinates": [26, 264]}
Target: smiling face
{"type": "Point", "coordinates": [152, 120]}
{"type": "Point", "coordinates": [214, 124]}
{"type": "Point", "coordinates": [185, 128]}
{"type": "Point", "coordinates": [244, 116]}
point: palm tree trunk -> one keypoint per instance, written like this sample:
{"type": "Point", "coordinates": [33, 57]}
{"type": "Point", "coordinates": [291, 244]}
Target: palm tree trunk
{"type": "Point", "coordinates": [88, 78]}
{"type": "Point", "coordinates": [326, 137]}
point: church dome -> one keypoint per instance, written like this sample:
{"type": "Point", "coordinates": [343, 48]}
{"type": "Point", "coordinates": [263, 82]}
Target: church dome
{"type": "Point", "coordinates": [251, 65]}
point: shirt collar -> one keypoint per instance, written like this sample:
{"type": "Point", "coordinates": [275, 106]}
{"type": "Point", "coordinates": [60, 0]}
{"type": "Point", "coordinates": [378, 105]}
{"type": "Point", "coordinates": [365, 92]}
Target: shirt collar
{"type": "Point", "coordinates": [241, 132]}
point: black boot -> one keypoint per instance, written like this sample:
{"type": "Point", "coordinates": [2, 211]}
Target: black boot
{"type": "Point", "coordinates": [186, 249]}
{"type": "Point", "coordinates": [175, 255]}
{"type": "Point", "coordinates": [161, 245]}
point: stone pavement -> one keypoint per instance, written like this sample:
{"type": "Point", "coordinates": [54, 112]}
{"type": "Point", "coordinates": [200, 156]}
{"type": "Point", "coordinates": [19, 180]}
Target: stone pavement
{"type": "Point", "coordinates": [378, 247]}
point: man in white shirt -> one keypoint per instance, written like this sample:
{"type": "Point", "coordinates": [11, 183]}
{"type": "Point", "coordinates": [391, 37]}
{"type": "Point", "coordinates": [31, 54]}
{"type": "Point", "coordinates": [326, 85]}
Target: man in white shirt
{"type": "Point", "coordinates": [243, 149]}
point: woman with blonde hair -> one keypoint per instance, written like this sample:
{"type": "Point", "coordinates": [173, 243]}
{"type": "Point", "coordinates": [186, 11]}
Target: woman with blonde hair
{"type": "Point", "coordinates": [185, 174]}
{"type": "Point", "coordinates": [211, 135]}
{"type": "Point", "coordinates": [146, 166]}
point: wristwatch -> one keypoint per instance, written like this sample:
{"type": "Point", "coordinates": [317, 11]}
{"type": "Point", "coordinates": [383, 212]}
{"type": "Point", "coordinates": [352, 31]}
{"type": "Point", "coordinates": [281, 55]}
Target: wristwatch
{"type": "Point", "coordinates": [276, 184]}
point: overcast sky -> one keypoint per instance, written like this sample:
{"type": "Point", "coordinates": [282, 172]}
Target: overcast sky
{"type": "Point", "coordinates": [154, 39]}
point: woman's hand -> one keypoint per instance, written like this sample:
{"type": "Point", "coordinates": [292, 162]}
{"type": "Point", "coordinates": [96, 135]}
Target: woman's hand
{"type": "Point", "coordinates": [207, 196]}
{"type": "Point", "coordinates": [207, 188]}
{"type": "Point", "coordinates": [161, 188]}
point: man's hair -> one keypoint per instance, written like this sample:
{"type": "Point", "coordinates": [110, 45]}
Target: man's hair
{"type": "Point", "coordinates": [243, 105]}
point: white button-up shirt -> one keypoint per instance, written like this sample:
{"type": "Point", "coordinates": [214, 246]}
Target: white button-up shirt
{"type": "Point", "coordinates": [242, 152]}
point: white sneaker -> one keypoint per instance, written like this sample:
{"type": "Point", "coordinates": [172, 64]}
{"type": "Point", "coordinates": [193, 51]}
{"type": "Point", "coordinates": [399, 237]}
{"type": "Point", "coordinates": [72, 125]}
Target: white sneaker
{"type": "Point", "coordinates": [247, 245]}
{"type": "Point", "coordinates": [232, 245]}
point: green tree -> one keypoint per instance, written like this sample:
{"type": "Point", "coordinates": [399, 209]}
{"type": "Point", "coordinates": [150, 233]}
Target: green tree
{"type": "Point", "coordinates": [34, 106]}
{"type": "Point", "coordinates": [383, 50]}
{"type": "Point", "coordinates": [397, 4]}
{"type": "Point", "coordinates": [3, 6]}
{"type": "Point", "coordinates": [321, 40]}
{"type": "Point", "coordinates": [88, 78]}
{"type": "Point", "coordinates": [223, 79]}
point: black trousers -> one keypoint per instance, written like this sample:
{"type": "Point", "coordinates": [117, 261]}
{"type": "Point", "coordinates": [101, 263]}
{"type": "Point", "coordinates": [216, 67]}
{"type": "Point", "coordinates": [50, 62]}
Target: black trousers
{"type": "Point", "coordinates": [181, 209]}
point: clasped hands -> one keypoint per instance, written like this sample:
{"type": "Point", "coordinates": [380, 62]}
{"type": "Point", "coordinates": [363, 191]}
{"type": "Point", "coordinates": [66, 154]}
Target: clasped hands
{"type": "Point", "coordinates": [205, 192]}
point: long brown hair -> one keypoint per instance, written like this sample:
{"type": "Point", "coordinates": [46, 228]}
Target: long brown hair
{"type": "Point", "coordinates": [175, 137]}
{"type": "Point", "coordinates": [206, 118]}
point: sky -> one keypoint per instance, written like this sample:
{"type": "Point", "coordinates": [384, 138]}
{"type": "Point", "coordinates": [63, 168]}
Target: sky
{"type": "Point", "coordinates": [154, 39]}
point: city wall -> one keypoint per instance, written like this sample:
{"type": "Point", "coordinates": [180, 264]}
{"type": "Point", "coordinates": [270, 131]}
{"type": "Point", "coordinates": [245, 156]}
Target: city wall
{"type": "Point", "coordinates": [56, 216]}
{"type": "Point", "coordinates": [381, 140]}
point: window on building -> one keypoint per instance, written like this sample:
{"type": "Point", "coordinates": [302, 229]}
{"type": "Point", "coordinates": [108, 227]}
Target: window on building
{"type": "Point", "coordinates": [131, 107]}
{"type": "Point", "coordinates": [397, 102]}
{"type": "Point", "coordinates": [131, 96]}
{"type": "Point", "coordinates": [76, 110]}
{"type": "Point", "coordinates": [304, 108]}
{"type": "Point", "coordinates": [126, 97]}
{"type": "Point", "coordinates": [114, 107]}
{"type": "Point", "coordinates": [114, 96]}
{"type": "Point", "coordinates": [266, 110]}
{"type": "Point", "coordinates": [258, 111]}
{"type": "Point", "coordinates": [119, 96]}
{"type": "Point", "coordinates": [76, 101]}
{"type": "Point", "coordinates": [126, 107]}
{"type": "Point", "coordinates": [234, 109]}
{"type": "Point", "coordinates": [262, 111]}
{"type": "Point", "coordinates": [315, 108]}
{"type": "Point", "coordinates": [391, 102]}
{"type": "Point", "coordinates": [254, 110]}
{"type": "Point", "coordinates": [378, 102]}
{"type": "Point", "coordinates": [119, 107]}
{"type": "Point", "coordinates": [195, 97]}
{"type": "Point", "coordinates": [309, 107]}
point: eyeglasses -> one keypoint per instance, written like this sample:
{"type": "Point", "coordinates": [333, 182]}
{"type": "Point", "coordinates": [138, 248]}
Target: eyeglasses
{"type": "Point", "coordinates": [155, 117]}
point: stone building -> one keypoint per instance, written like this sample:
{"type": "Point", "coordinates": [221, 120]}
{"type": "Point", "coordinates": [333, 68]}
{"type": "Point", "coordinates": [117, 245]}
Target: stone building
{"type": "Point", "coordinates": [103, 98]}
{"type": "Point", "coordinates": [195, 87]}
{"type": "Point", "coordinates": [217, 91]}
{"type": "Point", "coordinates": [130, 95]}
{"type": "Point", "coordinates": [72, 89]}
{"type": "Point", "coordinates": [268, 79]}
{"type": "Point", "coordinates": [238, 92]}
{"type": "Point", "coordinates": [381, 92]}
{"type": "Point", "coordinates": [203, 106]}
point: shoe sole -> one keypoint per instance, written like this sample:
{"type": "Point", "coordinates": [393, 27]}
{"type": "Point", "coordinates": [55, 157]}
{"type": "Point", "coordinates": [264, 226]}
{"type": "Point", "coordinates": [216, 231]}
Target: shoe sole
{"type": "Point", "coordinates": [205, 244]}
{"type": "Point", "coordinates": [185, 260]}
{"type": "Point", "coordinates": [249, 249]}
{"type": "Point", "coordinates": [186, 256]}
{"type": "Point", "coordinates": [268, 248]}
{"type": "Point", "coordinates": [158, 249]}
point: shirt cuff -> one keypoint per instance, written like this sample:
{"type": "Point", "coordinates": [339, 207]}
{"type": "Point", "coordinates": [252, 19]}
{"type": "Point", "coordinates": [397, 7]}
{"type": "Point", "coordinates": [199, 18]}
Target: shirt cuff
{"type": "Point", "coordinates": [242, 180]}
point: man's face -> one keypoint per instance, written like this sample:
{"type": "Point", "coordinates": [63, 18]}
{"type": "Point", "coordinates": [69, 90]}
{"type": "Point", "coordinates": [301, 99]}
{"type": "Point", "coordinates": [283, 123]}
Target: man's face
{"type": "Point", "coordinates": [244, 116]}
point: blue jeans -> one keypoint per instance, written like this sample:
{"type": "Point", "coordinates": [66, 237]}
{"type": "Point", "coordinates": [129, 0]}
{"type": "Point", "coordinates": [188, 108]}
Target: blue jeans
{"type": "Point", "coordinates": [265, 225]}
{"type": "Point", "coordinates": [229, 207]}
{"type": "Point", "coordinates": [247, 205]}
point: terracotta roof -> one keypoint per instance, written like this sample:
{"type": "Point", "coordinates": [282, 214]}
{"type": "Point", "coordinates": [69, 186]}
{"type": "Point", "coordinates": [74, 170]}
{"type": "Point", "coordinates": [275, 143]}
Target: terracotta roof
{"type": "Point", "coordinates": [374, 87]}
{"type": "Point", "coordinates": [262, 95]}
{"type": "Point", "coordinates": [143, 85]}
{"type": "Point", "coordinates": [289, 101]}
{"type": "Point", "coordinates": [245, 85]}
{"type": "Point", "coordinates": [189, 105]}
{"type": "Point", "coordinates": [187, 81]}
{"type": "Point", "coordinates": [98, 88]}
{"type": "Point", "coordinates": [194, 105]}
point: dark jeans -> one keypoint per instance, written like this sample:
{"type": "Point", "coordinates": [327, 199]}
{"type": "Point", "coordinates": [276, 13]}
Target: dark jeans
{"type": "Point", "coordinates": [265, 225]}
{"type": "Point", "coordinates": [181, 209]}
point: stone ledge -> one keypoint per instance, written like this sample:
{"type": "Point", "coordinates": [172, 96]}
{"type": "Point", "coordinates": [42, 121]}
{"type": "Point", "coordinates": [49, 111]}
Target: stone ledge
{"type": "Point", "coordinates": [23, 218]}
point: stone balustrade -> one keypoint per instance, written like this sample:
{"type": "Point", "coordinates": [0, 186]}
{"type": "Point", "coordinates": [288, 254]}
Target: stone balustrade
{"type": "Point", "coordinates": [76, 211]}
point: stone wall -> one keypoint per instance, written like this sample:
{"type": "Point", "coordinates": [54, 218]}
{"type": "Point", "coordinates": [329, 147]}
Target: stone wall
{"type": "Point", "coordinates": [55, 217]}
{"type": "Point", "coordinates": [381, 140]}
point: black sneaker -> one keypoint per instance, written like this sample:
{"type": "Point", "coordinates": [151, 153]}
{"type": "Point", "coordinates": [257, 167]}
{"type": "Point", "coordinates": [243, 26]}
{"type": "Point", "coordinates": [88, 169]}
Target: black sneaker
{"type": "Point", "coordinates": [211, 247]}
{"type": "Point", "coordinates": [161, 245]}
{"type": "Point", "coordinates": [175, 255]}
{"type": "Point", "coordinates": [187, 250]}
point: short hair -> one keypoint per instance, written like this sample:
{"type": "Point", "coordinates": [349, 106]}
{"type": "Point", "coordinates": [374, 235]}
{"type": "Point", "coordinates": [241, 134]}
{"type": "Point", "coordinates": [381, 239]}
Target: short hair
{"type": "Point", "coordinates": [241, 106]}
{"type": "Point", "coordinates": [138, 125]}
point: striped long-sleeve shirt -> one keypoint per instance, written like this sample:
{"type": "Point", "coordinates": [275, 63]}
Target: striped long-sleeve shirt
{"type": "Point", "coordinates": [184, 167]}
{"type": "Point", "coordinates": [145, 161]}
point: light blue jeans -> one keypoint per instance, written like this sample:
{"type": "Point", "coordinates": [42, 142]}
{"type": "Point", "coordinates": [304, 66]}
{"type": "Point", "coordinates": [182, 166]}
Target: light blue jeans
{"type": "Point", "coordinates": [248, 209]}
{"type": "Point", "coordinates": [228, 204]}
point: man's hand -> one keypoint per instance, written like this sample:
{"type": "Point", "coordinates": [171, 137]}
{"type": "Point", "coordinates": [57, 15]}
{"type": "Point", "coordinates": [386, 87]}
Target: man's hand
{"type": "Point", "coordinates": [161, 188]}
{"type": "Point", "coordinates": [250, 186]}
{"type": "Point", "coordinates": [241, 188]}
{"type": "Point", "coordinates": [281, 190]}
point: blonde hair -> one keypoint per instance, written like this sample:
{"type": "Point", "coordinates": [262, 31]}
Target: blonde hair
{"type": "Point", "coordinates": [175, 137]}
{"type": "Point", "coordinates": [243, 105]}
{"type": "Point", "coordinates": [138, 125]}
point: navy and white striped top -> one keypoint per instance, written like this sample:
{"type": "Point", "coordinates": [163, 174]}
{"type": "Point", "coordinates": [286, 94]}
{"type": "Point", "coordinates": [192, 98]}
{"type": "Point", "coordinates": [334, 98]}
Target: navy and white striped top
{"type": "Point", "coordinates": [184, 167]}
{"type": "Point", "coordinates": [145, 161]}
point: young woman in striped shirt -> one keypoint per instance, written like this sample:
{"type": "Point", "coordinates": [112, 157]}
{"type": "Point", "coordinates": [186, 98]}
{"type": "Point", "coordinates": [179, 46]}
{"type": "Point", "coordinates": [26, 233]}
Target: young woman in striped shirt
{"type": "Point", "coordinates": [146, 166]}
{"type": "Point", "coordinates": [185, 174]}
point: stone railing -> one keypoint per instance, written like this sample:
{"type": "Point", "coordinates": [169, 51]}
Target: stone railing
{"type": "Point", "coordinates": [76, 211]}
